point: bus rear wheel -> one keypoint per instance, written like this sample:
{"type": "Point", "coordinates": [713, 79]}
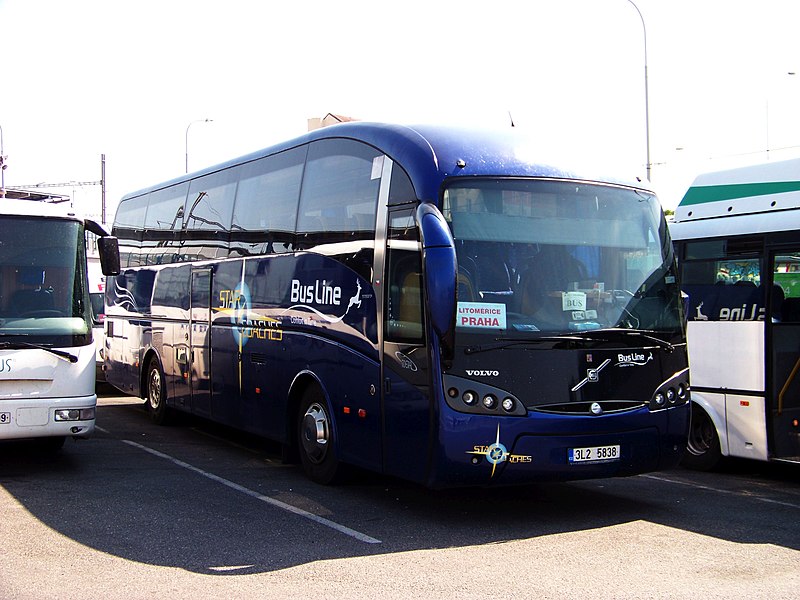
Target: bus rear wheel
{"type": "Point", "coordinates": [316, 439]}
{"type": "Point", "coordinates": [703, 451]}
{"type": "Point", "coordinates": [160, 413]}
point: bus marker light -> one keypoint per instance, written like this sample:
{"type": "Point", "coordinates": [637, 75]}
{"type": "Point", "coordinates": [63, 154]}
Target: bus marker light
{"type": "Point", "coordinates": [362, 413]}
{"type": "Point", "coordinates": [258, 390]}
{"type": "Point", "coordinates": [346, 410]}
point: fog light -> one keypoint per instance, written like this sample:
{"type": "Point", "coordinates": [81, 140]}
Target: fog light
{"type": "Point", "coordinates": [660, 399]}
{"type": "Point", "coordinates": [489, 401]}
{"type": "Point", "coordinates": [469, 398]}
{"type": "Point", "coordinates": [68, 414]}
{"type": "Point", "coordinates": [671, 396]}
{"type": "Point", "coordinates": [508, 404]}
{"type": "Point", "coordinates": [74, 414]}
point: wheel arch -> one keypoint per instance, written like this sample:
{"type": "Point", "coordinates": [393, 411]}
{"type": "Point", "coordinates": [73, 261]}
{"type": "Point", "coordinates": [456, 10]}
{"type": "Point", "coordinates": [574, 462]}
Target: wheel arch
{"type": "Point", "coordinates": [715, 411]}
{"type": "Point", "coordinates": [303, 381]}
{"type": "Point", "coordinates": [149, 354]}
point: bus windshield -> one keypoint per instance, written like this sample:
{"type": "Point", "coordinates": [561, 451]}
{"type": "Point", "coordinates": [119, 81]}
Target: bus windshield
{"type": "Point", "coordinates": [43, 294]}
{"type": "Point", "coordinates": [559, 257]}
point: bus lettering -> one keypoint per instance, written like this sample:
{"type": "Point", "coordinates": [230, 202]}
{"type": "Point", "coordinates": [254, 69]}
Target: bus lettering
{"type": "Point", "coordinates": [320, 292]}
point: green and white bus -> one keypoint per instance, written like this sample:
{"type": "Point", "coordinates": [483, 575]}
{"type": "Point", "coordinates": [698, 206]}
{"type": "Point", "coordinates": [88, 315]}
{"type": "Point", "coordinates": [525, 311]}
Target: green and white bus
{"type": "Point", "coordinates": [737, 238]}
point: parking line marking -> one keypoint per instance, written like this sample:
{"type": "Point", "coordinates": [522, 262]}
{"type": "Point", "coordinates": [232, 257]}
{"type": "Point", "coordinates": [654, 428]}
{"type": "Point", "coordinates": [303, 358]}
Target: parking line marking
{"type": "Point", "coordinates": [253, 494]}
{"type": "Point", "coordinates": [719, 490]}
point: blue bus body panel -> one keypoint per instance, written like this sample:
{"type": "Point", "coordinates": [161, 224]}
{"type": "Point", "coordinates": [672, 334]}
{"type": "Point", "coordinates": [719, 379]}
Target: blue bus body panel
{"type": "Point", "coordinates": [536, 448]}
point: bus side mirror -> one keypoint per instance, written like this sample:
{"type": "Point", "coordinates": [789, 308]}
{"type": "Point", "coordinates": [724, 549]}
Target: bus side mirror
{"type": "Point", "coordinates": [440, 270]}
{"type": "Point", "coordinates": [108, 247]}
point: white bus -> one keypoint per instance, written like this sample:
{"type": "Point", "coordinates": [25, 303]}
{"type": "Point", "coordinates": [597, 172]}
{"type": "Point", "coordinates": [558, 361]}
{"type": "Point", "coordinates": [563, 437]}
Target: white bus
{"type": "Point", "coordinates": [47, 354]}
{"type": "Point", "coordinates": [97, 295]}
{"type": "Point", "coordinates": [737, 236]}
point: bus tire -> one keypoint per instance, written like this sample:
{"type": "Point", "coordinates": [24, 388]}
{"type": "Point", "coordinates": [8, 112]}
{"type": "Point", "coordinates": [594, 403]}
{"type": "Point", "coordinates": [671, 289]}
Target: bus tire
{"type": "Point", "coordinates": [703, 451]}
{"type": "Point", "coordinates": [315, 438]}
{"type": "Point", "coordinates": [156, 391]}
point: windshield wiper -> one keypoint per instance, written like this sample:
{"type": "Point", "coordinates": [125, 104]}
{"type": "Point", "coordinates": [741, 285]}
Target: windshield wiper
{"type": "Point", "coordinates": [594, 335]}
{"type": "Point", "coordinates": [507, 342]}
{"type": "Point", "coordinates": [601, 335]}
{"type": "Point", "coordinates": [20, 345]}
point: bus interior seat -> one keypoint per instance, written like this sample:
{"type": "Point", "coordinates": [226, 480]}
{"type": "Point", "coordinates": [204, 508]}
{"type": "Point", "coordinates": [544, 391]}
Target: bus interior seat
{"type": "Point", "coordinates": [790, 311]}
{"type": "Point", "coordinates": [493, 279]}
{"type": "Point", "coordinates": [410, 309]}
{"type": "Point", "coordinates": [553, 269]}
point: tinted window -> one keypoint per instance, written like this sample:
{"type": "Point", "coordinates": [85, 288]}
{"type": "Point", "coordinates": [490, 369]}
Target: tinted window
{"type": "Point", "coordinates": [340, 192]}
{"type": "Point", "coordinates": [165, 208]}
{"type": "Point", "coordinates": [130, 213]}
{"type": "Point", "coordinates": [207, 215]}
{"type": "Point", "coordinates": [269, 191]}
{"type": "Point", "coordinates": [723, 283]}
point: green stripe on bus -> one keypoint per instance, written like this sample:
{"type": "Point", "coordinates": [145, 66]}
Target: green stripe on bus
{"type": "Point", "coordinates": [715, 193]}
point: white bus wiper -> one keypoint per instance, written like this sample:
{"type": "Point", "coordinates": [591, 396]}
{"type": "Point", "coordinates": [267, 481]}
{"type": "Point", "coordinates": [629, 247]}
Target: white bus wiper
{"type": "Point", "coordinates": [20, 345]}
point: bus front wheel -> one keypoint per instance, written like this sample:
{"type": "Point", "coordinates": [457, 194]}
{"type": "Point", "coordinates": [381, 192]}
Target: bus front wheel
{"type": "Point", "coordinates": [160, 414]}
{"type": "Point", "coordinates": [702, 450]}
{"type": "Point", "coordinates": [316, 439]}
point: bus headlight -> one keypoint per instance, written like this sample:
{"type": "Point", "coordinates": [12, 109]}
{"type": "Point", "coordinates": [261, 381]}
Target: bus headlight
{"type": "Point", "coordinates": [489, 401]}
{"type": "Point", "coordinates": [74, 414]}
{"type": "Point", "coordinates": [673, 392]}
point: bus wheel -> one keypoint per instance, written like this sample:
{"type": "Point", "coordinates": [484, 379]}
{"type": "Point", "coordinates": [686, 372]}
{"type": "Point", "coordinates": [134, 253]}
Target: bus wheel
{"type": "Point", "coordinates": [315, 436]}
{"type": "Point", "coordinates": [702, 451]}
{"type": "Point", "coordinates": [157, 394]}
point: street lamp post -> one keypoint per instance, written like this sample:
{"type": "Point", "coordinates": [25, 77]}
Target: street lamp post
{"type": "Point", "coordinates": [186, 143]}
{"type": "Point", "coordinates": [646, 93]}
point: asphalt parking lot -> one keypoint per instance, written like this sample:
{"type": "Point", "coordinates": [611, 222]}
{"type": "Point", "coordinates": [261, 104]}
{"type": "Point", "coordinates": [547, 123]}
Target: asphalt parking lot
{"type": "Point", "coordinates": [196, 510]}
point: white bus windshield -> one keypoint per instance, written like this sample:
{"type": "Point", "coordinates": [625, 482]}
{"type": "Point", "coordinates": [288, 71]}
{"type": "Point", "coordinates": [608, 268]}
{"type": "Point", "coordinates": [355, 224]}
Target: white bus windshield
{"type": "Point", "coordinates": [43, 295]}
{"type": "Point", "coordinates": [559, 256]}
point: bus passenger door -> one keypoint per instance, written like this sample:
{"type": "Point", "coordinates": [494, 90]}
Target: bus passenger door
{"type": "Point", "coordinates": [406, 362]}
{"type": "Point", "coordinates": [783, 402]}
{"type": "Point", "coordinates": [200, 335]}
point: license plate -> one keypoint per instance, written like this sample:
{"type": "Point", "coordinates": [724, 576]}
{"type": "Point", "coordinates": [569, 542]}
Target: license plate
{"type": "Point", "coordinates": [5, 418]}
{"type": "Point", "coordinates": [593, 454]}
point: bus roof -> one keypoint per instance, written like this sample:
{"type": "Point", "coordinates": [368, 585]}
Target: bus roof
{"type": "Point", "coordinates": [768, 187]}
{"type": "Point", "coordinates": [33, 208]}
{"type": "Point", "coordinates": [507, 152]}
{"type": "Point", "coordinates": [753, 199]}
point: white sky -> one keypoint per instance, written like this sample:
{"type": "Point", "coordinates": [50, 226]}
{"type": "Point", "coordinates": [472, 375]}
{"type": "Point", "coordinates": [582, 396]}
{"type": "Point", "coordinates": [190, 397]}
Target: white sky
{"type": "Point", "coordinates": [82, 78]}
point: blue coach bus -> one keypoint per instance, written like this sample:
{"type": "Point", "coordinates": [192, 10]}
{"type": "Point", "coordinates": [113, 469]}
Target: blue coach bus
{"type": "Point", "coordinates": [421, 302]}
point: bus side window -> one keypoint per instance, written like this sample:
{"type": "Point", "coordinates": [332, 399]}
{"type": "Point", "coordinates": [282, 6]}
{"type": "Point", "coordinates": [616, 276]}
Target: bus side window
{"type": "Point", "coordinates": [339, 197]}
{"type": "Point", "coordinates": [404, 322]}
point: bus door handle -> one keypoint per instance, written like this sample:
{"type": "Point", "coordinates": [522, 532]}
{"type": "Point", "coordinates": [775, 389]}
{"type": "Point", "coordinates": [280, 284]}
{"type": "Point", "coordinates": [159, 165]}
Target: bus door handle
{"type": "Point", "coordinates": [387, 386]}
